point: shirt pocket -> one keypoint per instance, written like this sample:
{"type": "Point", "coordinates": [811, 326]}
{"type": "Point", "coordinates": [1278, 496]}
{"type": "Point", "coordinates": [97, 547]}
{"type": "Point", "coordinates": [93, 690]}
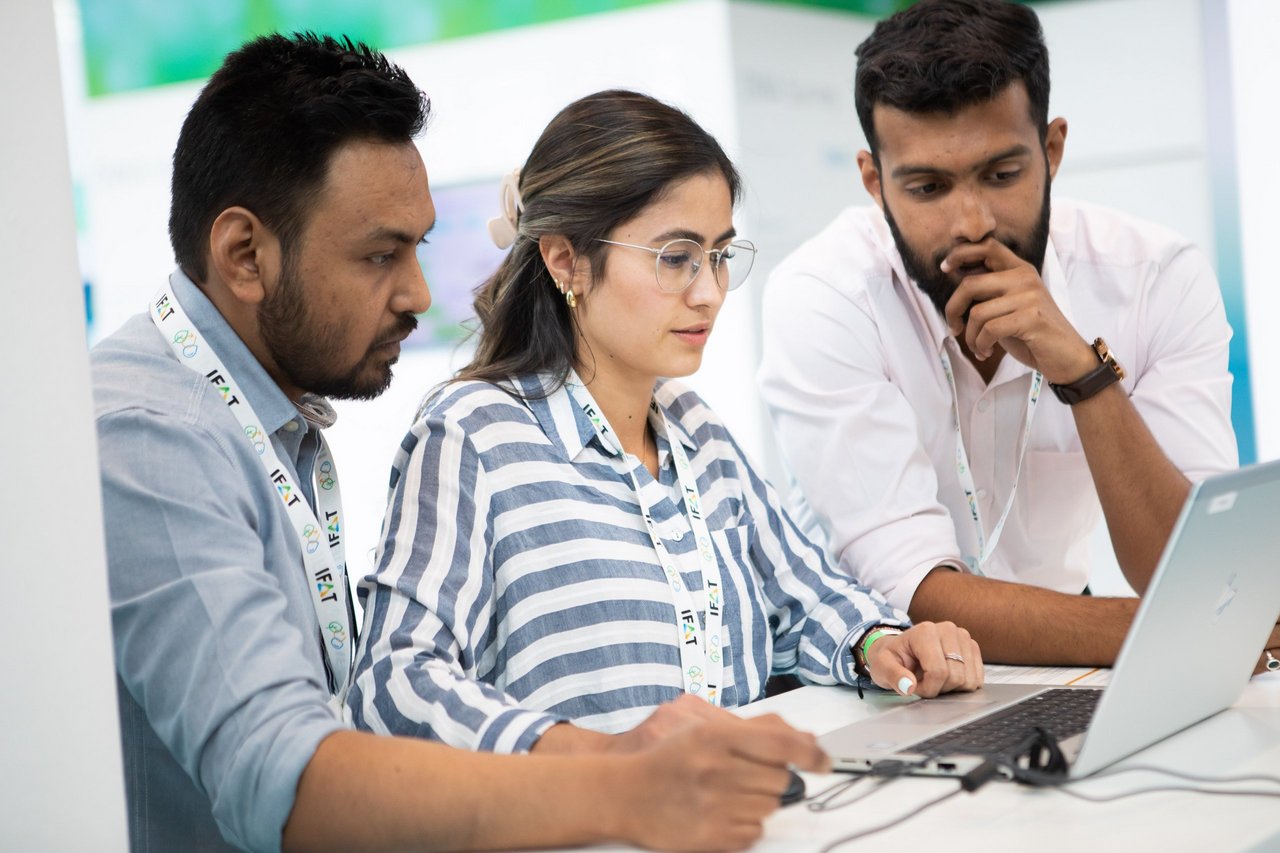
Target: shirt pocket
{"type": "Point", "coordinates": [1061, 505]}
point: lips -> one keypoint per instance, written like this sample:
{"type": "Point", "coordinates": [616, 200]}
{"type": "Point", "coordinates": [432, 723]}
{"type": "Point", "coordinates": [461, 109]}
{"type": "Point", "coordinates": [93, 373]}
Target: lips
{"type": "Point", "coordinates": [693, 334]}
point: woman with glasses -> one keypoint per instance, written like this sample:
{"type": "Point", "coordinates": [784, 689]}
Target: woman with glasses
{"type": "Point", "coordinates": [572, 534]}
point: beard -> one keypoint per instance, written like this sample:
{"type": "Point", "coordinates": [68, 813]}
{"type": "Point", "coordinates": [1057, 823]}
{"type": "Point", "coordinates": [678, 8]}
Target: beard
{"type": "Point", "coordinates": [304, 347]}
{"type": "Point", "coordinates": [940, 286]}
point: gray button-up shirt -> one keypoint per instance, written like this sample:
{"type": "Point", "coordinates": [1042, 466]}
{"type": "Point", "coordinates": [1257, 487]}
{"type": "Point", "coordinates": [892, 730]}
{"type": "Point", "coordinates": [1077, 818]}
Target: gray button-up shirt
{"type": "Point", "coordinates": [221, 681]}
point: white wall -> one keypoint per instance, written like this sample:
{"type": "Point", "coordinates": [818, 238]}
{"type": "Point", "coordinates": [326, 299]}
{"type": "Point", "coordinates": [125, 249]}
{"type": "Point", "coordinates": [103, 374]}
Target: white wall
{"type": "Point", "coordinates": [62, 782]}
{"type": "Point", "coordinates": [1254, 32]}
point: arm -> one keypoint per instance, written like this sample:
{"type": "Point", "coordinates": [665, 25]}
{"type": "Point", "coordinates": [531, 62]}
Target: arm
{"type": "Point", "coordinates": [205, 639]}
{"type": "Point", "coordinates": [399, 793]}
{"type": "Point", "coordinates": [850, 436]}
{"type": "Point", "coordinates": [430, 603]}
{"type": "Point", "coordinates": [1022, 624]}
{"type": "Point", "coordinates": [1181, 388]}
{"type": "Point", "coordinates": [821, 615]}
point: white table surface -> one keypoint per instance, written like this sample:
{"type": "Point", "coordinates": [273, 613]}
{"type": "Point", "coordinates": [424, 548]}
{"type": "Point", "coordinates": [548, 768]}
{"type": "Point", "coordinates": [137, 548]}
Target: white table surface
{"type": "Point", "coordinates": [1005, 816]}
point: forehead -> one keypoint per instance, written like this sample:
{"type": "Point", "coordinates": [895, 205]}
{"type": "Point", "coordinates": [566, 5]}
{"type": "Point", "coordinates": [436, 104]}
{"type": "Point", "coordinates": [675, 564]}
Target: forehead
{"type": "Point", "coordinates": [370, 186]}
{"type": "Point", "coordinates": [955, 140]}
{"type": "Point", "coordinates": [694, 203]}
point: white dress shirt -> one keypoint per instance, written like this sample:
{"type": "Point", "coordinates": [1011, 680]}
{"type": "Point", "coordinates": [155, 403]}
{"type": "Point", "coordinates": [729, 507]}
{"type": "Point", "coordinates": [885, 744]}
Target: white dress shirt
{"type": "Point", "coordinates": [853, 379]}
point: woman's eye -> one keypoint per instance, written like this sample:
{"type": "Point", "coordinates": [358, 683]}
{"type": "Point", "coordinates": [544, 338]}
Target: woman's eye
{"type": "Point", "coordinates": [674, 260]}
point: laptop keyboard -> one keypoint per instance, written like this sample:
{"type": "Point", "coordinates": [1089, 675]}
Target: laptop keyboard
{"type": "Point", "coordinates": [1062, 712]}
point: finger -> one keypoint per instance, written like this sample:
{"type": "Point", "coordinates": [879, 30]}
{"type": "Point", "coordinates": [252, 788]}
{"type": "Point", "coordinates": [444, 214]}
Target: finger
{"type": "Point", "coordinates": [977, 671]}
{"type": "Point", "coordinates": [769, 740]}
{"type": "Point", "coordinates": [692, 707]}
{"type": "Point", "coordinates": [993, 321]}
{"type": "Point", "coordinates": [743, 776]}
{"type": "Point", "coordinates": [991, 253]}
{"type": "Point", "coordinates": [892, 665]}
{"type": "Point", "coordinates": [927, 647]}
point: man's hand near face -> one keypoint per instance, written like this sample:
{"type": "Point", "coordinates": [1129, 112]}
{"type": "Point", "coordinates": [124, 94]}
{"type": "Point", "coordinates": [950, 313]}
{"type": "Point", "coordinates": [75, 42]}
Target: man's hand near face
{"type": "Point", "coordinates": [1008, 306]}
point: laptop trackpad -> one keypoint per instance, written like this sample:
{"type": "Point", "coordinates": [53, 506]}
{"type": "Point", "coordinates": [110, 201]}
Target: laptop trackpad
{"type": "Point", "coordinates": [901, 727]}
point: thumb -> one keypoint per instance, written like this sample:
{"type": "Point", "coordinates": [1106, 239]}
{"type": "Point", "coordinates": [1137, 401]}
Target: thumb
{"type": "Point", "coordinates": [887, 670]}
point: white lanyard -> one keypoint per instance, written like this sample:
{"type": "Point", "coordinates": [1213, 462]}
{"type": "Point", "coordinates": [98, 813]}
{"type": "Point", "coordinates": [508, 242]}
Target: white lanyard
{"type": "Point", "coordinates": [326, 567]}
{"type": "Point", "coordinates": [965, 474]}
{"type": "Point", "coordinates": [701, 661]}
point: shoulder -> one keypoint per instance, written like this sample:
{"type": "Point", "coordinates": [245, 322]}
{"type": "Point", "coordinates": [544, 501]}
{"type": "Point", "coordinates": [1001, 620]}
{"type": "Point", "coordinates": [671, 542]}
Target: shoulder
{"type": "Point", "coordinates": [686, 408]}
{"type": "Point", "coordinates": [1090, 235]}
{"type": "Point", "coordinates": [143, 394]}
{"type": "Point", "coordinates": [854, 248]}
{"type": "Point", "coordinates": [475, 414]}
{"type": "Point", "coordinates": [474, 402]}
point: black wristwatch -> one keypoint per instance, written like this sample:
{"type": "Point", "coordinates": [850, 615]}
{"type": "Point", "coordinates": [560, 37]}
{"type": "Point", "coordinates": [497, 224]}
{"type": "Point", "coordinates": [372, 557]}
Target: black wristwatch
{"type": "Point", "coordinates": [1091, 383]}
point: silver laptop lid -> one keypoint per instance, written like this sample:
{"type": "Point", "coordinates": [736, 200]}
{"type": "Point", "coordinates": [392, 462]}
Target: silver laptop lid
{"type": "Point", "coordinates": [1211, 604]}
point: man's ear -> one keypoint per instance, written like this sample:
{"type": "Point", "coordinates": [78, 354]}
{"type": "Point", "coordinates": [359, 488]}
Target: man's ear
{"type": "Point", "coordinates": [871, 177]}
{"type": "Point", "coordinates": [244, 254]}
{"type": "Point", "coordinates": [1055, 142]}
{"type": "Point", "coordinates": [562, 262]}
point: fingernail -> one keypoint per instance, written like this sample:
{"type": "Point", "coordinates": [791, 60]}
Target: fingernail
{"type": "Point", "coordinates": [946, 265]}
{"type": "Point", "coordinates": [905, 684]}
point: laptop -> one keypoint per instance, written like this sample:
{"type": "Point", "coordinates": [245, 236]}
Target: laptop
{"type": "Point", "coordinates": [1197, 635]}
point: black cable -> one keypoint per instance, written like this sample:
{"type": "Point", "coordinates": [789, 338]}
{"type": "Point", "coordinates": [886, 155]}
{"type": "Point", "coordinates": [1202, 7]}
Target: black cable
{"type": "Point", "coordinates": [890, 824]}
{"type": "Point", "coordinates": [883, 772]}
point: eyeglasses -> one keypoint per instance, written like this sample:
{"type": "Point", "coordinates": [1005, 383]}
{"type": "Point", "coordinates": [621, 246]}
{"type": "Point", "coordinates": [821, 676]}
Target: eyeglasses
{"type": "Point", "coordinates": [678, 262]}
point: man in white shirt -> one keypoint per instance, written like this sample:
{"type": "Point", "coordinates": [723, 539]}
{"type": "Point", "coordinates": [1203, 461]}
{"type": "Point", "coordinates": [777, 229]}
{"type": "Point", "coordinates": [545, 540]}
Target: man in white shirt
{"type": "Point", "coordinates": [944, 369]}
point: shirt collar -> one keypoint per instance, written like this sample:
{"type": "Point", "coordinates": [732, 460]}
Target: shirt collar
{"type": "Point", "coordinates": [273, 408]}
{"type": "Point", "coordinates": [564, 422]}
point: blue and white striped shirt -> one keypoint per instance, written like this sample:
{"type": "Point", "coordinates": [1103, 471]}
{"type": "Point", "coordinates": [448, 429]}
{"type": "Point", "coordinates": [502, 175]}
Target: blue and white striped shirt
{"type": "Point", "coordinates": [517, 585]}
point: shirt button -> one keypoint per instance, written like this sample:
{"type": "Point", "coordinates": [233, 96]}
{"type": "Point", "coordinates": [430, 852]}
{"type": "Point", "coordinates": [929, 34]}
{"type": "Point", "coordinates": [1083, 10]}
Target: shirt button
{"type": "Point", "coordinates": [983, 405]}
{"type": "Point", "coordinates": [982, 494]}
{"type": "Point", "coordinates": [291, 426]}
{"type": "Point", "coordinates": [677, 536]}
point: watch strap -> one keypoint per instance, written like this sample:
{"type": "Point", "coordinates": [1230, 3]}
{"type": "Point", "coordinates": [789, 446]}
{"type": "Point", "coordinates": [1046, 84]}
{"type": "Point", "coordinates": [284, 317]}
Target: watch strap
{"type": "Point", "coordinates": [1106, 373]}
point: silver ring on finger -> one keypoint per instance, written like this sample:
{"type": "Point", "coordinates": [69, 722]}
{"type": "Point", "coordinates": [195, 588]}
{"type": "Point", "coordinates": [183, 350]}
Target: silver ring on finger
{"type": "Point", "coordinates": [955, 656]}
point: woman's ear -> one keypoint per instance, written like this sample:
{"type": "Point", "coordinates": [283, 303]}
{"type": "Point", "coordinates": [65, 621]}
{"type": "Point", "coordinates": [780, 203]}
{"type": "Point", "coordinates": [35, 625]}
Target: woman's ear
{"type": "Point", "coordinates": [560, 258]}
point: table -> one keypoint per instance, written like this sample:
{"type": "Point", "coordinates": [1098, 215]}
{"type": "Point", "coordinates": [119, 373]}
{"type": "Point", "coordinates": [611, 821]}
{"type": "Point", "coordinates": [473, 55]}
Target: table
{"type": "Point", "coordinates": [1003, 816]}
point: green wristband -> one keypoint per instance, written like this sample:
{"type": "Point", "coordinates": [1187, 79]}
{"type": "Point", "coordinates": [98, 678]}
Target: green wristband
{"type": "Point", "coordinates": [864, 647]}
{"type": "Point", "coordinates": [875, 635]}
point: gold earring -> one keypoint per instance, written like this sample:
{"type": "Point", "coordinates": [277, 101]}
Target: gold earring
{"type": "Point", "coordinates": [568, 295]}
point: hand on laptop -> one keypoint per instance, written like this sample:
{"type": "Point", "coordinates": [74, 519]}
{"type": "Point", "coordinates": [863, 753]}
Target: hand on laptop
{"type": "Point", "coordinates": [929, 659]}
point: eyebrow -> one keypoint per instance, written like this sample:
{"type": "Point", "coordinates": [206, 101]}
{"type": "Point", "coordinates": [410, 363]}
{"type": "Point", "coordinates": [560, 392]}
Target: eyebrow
{"type": "Point", "coordinates": [686, 234]}
{"type": "Point", "coordinates": [399, 236]}
{"type": "Point", "coordinates": [908, 170]}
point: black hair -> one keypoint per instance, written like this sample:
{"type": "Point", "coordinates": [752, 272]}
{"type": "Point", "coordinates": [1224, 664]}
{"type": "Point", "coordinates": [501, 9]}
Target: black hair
{"type": "Point", "coordinates": [263, 130]}
{"type": "Point", "coordinates": [939, 56]}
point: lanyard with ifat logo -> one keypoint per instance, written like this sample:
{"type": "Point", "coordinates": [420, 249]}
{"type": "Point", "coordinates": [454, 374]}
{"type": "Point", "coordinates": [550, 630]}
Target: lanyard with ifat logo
{"type": "Point", "coordinates": [701, 652]}
{"type": "Point", "coordinates": [320, 541]}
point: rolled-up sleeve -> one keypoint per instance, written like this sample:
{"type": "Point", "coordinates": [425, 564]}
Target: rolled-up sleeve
{"type": "Point", "coordinates": [1183, 390]}
{"type": "Point", "coordinates": [430, 605]}
{"type": "Point", "coordinates": [849, 437]}
{"type": "Point", "coordinates": [230, 686]}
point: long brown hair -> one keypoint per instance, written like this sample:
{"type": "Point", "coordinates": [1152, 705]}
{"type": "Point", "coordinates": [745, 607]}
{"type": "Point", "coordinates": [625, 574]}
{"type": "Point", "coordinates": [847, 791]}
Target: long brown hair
{"type": "Point", "coordinates": [599, 163]}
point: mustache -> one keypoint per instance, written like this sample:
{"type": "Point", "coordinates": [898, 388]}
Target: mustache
{"type": "Point", "coordinates": [404, 326]}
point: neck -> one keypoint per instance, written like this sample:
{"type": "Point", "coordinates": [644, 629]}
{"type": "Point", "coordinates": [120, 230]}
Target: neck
{"type": "Point", "coordinates": [625, 404]}
{"type": "Point", "coordinates": [243, 320]}
{"type": "Point", "coordinates": [986, 369]}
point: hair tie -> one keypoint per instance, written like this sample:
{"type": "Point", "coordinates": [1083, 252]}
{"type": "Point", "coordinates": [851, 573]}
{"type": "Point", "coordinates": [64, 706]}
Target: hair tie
{"type": "Point", "coordinates": [504, 228]}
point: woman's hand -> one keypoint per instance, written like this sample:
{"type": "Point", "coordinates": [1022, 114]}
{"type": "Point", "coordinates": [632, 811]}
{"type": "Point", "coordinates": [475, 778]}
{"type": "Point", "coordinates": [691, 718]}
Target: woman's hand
{"type": "Point", "coordinates": [929, 659]}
